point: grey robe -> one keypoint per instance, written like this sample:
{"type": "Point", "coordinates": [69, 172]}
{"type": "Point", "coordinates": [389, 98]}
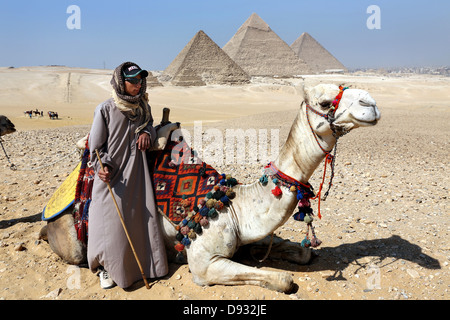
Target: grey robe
{"type": "Point", "coordinates": [115, 138]}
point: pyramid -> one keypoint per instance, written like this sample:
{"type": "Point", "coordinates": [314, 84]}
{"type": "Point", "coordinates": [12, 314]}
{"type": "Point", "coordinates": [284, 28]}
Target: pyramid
{"type": "Point", "coordinates": [315, 55]}
{"type": "Point", "coordinates": [261, 52]}
{"type": "Point", "coordinates": [202, 60]}
{"type": "Point", "coordinates": [152, 81]}
{"type": "Point", "coordinates": [187, 77]}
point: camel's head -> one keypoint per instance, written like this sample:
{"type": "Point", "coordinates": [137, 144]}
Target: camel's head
{"type": "Point", "coordinates": [6, 126]}
{"type": "Point", "coordinates": [356, 108]}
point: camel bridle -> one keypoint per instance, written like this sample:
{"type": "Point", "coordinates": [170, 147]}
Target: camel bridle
{"type": "Point", "coordinates": [329, 158]}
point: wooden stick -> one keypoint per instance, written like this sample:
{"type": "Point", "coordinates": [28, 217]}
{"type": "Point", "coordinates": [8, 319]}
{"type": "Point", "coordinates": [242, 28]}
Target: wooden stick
{"type": "Point", "coordinates": [123, 224]}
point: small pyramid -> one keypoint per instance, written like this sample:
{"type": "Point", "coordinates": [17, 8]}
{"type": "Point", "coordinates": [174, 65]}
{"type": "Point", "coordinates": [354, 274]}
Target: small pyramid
{"type": "Point", "coordinates": [315, 55]}
{"type": "Point", "coordinates": [152, 81]}
{"type": "Point", "coordinates": [186, 77]}
{"type": "Point", "coordinates": [202, 59]}
{"type": "Point", "coordinates": [261, 52]}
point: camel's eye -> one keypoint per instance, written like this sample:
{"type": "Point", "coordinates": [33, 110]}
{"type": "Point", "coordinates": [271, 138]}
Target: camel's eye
{"type": "Point", "coordinates": [325, 104]}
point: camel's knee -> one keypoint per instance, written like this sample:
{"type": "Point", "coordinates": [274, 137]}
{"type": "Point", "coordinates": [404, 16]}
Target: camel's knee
{"type": "Point", "coordinates": [283, 283]}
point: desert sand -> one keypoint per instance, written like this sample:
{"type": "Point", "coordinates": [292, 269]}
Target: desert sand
{"type": "Point", "coordinates": [385, 224]}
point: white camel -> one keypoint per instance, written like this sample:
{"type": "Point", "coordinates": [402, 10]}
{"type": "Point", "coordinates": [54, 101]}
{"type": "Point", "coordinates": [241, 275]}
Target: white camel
{"type": "Point", "coordinates": [256, 212]}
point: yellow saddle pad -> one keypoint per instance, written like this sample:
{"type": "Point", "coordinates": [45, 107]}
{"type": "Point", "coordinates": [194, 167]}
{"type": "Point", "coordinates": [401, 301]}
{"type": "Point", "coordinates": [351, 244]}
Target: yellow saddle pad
{"type": "Point", "coordinates": [63, 197]}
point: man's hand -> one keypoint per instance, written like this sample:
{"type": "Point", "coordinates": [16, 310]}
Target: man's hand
{"type": "Point", "coordinates": [144, 141]}
{"type": "Point", "coordinates": [104, 174]}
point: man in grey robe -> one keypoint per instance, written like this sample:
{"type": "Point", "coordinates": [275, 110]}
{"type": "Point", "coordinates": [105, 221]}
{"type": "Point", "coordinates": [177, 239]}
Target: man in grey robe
{"type": "Point", "coordinates": [121, 131]}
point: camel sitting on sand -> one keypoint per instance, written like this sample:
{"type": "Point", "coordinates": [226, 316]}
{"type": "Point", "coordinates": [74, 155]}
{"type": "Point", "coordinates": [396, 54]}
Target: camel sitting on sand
{"type": "Point", "coordinates": [6, 126]}
{"type": "Point", "coordinates": [260, 208]}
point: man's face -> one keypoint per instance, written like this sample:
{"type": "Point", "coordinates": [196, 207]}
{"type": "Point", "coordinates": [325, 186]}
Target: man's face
{"type": "Point", "coordinates": [131, 87]}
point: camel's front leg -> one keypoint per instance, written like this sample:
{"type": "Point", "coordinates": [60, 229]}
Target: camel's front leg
{"type": "Point", "coordinates": [226, 272]}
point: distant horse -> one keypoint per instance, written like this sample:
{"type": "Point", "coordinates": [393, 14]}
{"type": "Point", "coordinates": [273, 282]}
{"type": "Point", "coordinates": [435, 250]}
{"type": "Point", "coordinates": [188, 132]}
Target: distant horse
{"type": "Point", "coordinates": [29, 113]}
{"type": "Point", "coordinates": [53, 115]}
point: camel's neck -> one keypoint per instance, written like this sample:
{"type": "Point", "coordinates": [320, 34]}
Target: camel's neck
{"type": "Point", "coordinates": [301, 154]}
{"type": "Point", "coordinates": [298, 158]}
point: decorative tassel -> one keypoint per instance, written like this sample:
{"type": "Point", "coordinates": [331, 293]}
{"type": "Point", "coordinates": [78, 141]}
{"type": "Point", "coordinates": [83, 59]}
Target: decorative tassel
{"type": "Point", "coordinates": [277, 191]}
{"type": "Point", "coordinates": [179, 247]}
{"type": "Point", "coordinates": [198, 229]}
{"type": "Point", "coordinates": [230, 194]}
{"type": "Point", "coordinates": [212, 213]}
{"type": "Point", "coordinates": [184, 230]}
{"type": "Point", "coordinates": [219, 205]}
{"type": "Point", "coordinates": [305, 243]}
{"type": "Point", "coordinates": [299, 216]}
{"type": "Point", "coordinates": [204, 221]}
{"type": "Point", "coordinates": [304, 203]}
{"type": "Point", "coordinates": [186, 241]}
{"type": "Point", "coordinates": [315, 242]}
{"type": "Point", "coordinates": [225, 200]}
{"type": "Point", "coordinates": [192, 234]}
{"type": "Point", "coordinates": [204, 211]}
{"type": "Point", "coordinates": [264, 180]}
{"type": "Point", "coordinates": [308, 219]}
{"type": "Point", "coordinates": [210, 203]}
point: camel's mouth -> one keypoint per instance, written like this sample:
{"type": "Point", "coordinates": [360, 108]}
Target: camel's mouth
{"type": "Point", "coordinates": [365, 117]}
{"type": "Point", "coordinates": [366, 123]}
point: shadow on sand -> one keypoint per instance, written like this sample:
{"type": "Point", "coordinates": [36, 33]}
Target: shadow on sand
{"type": "Point", "coordinates": [9, 223]}
{"type": "Point", "coordinates": [379, 252]}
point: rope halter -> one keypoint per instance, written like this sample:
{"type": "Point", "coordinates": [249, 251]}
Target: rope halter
{"type": "Point", "coordinates": [329, 158]}
{"type": "Point", "coordinates": [330, 117]}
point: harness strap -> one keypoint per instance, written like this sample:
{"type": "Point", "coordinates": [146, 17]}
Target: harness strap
{"type": "Point", "coordinates": [338, 98]}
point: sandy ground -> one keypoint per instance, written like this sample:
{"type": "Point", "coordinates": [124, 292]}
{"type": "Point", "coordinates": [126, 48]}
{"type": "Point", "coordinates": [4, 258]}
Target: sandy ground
{"type": "Point", "coordinates": [385, 225]}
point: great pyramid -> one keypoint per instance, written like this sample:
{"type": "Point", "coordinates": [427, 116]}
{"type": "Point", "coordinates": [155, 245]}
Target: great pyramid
{"type": "Point", "coordinates": [261, 52]}
{"type": "Point", "coordinates": [203, 61]}
{"type": "Point", "coordinates": [315, 55]}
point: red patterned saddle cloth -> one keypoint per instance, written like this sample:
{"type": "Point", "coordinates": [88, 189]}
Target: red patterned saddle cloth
{"type": "Point", "coordinates": [181, 180]}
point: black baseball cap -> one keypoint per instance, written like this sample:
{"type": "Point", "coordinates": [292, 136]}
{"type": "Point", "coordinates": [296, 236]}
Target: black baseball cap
{"type": "Point", "coordinates": [133, 70]}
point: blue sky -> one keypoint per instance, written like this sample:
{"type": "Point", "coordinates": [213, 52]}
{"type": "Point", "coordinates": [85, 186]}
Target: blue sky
{"type": "Point", "coordinates": [152, 33]}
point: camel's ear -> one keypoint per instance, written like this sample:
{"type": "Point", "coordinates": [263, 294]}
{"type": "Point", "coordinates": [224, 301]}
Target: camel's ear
{"type": "Point", "coordinates": [305, 92]}
{"type": "Point", "coordinates": [317, 95]}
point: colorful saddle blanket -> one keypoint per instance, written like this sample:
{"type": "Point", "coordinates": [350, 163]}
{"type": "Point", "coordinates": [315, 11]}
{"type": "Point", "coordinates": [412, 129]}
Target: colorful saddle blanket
{"type": "Point", "coordinates": [182, 185]}
{"type": "Point", "coordinates": [181, 180]}
{"type": "Point", "coordinates": [83, 196]}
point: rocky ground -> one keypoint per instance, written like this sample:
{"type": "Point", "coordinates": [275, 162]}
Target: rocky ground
{"type": "Point", "coordinates": [385, 225]}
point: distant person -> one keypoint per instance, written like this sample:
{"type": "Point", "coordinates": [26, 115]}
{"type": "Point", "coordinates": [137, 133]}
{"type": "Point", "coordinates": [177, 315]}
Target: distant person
{"type": "Point", "coordinates": [122, 131]}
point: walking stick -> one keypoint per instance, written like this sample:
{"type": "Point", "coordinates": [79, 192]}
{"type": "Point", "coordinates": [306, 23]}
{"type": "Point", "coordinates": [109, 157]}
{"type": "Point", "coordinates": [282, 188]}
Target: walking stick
{"type": "Point", "coordinates": [123, 225]}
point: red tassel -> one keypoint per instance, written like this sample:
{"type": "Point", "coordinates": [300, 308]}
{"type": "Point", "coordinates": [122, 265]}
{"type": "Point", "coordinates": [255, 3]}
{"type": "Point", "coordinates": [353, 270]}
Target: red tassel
{"type": "Point", "coordinates": [277, 191]}
{"type": "Point", "coordinates": [179, 247]}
